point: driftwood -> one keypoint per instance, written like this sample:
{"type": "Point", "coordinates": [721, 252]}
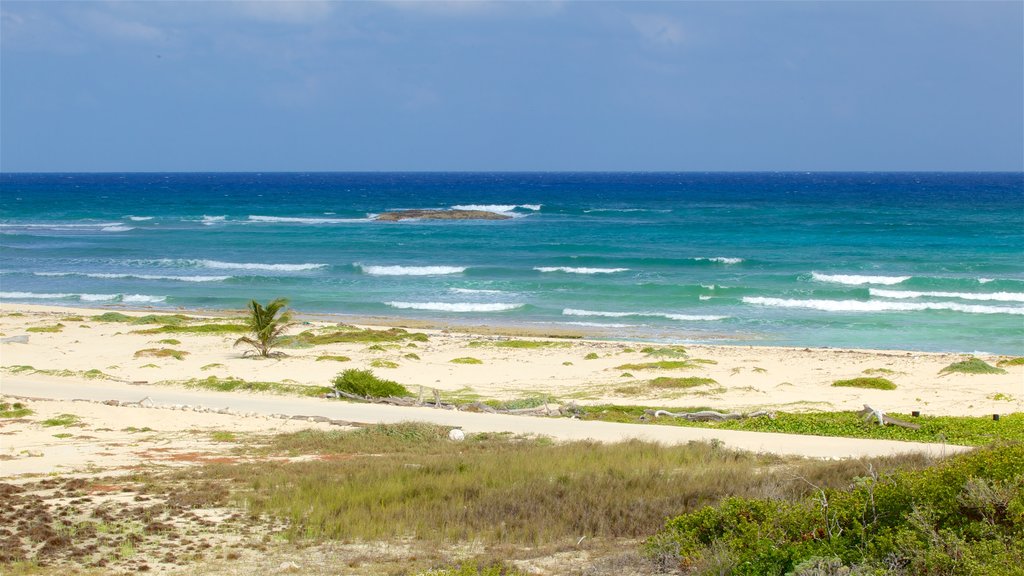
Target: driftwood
{"type": "Point", "coordinates": [869, 413]}
{"type": "Point", "coordinates": [710, 415]}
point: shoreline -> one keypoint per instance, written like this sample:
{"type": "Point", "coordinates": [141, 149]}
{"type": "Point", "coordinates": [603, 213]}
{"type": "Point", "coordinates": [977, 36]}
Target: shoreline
{"type": "Point", "coordinates": [583, 370]}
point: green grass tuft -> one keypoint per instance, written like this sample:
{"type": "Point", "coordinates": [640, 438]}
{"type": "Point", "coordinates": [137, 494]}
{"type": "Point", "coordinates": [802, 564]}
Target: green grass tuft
{"type": "Point", "coordinates": [211, 366]}
{"type": "Point", "coordinates": [874, 382]}
{"type": "Point", "coordinates": [690, 382]}
{"type": "Point", "coordinates": [411, 356]}
{"type": "Point", "coordinates": [237, 384]}
{"type": "Point", "coordinates": [665, 352]}
{"type": "Point", "coordinates": [328, 357]}
{"type": "Point", "coordinates": [46, 329]}
{"type": "Point", "coordinates": [1017, 361]}
{"type": "Point", "coordinates": [198, 329]}
{"type": "Point", "coordinates": [13, 410]}
{"type": "Point", "coordinates": [466, 360]}
{"type": "Point", "coordinates": [364, 383]}
{"type": "Point", "coordinates": [161, 353]}
{"type": "Point", "coordinates": [383, 364]}
{"type": "Point", "coordinates": [972, 366]}
{"type": "Point", "coordinates": [591, 356]}
{"type": "Point", "coordinates": [65, 420]}
{"type": "Point", "coordinates": [873, 371]}
{"type": "Point", "coordinates": [524, 344]}
{"type": "Point", "coordinates": [660, 365]}
{"type": "Point", "coordinates": [170, 341]}
{"type": "Point", "coordinates": [352, 335]}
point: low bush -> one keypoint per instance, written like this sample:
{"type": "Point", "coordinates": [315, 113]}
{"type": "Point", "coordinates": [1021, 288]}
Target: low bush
{"type": "Point", "coordinates": [364, 383]}
{"type": "Point", "coordinates": [13, 410]}
{"type": "Point", "coordinates": [660, 365]}
{"type": "Point", "coordinates": [526, 344]}
{"type": "Point", "coordinates": [1016, 361]}
{"type": "Point", "coordinates": [383, 364]}
{"type": "Point", "coordinates": [466, 360]}
{"type": "Point", "coordinates": [328, 357]}
{"type": "Point", "coordinates": [161, 353]}
{"type": "Point", "coordinates": [872, 382]}
{"type": "Point", "coordinates": [46, 329]}
{"type": "Point", "coordinates": [352, 335]}
{"type": "Point", "coordinates": [972, 366]}
{"type": "Point", "coordinates": [691, 382]}
{"type": "Point", "coordinates": [591, 356]}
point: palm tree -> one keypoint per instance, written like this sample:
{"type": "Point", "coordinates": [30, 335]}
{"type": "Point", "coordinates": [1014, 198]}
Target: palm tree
{"type": "Point", "coordinates": [266, 326]}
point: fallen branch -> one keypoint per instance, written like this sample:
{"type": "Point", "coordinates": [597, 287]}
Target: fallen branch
{"type": "Point", "coordinates": [710, 415]}
{"type": "Point", "coordinates": [869, 413]}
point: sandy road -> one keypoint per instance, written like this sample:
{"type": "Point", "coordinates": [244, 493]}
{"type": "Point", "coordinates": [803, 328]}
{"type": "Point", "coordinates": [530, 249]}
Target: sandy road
{"type": "Point", "coordinates": [564, 429]}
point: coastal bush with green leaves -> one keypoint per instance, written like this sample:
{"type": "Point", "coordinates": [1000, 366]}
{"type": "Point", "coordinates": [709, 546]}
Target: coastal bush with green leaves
{"type": "Point", "coordinates": [962, 516]}
{"type": "Point", "coordinates": [1013, 361]}
{"type": "Point", "coordinates": [690, 382]}
{"type": "Point", "coordinates": [364, 383]}
{"type": "Point", "coordinates": [660, 365]}
{"type": "Point", "coordinates": [352, 335]}
{"type": "Point", "coordinates": [14, 410]}
{"type": "Point", "coordinates": [466, 360]}
{"type": "Point", "coordinates": [520, 344]}
{"type": "Point", "coordinates": [46, 329]}
{"type": "Point", "coordinates": [332, 358]}
{"type": "Point", "coordinates": [266, 325]}
{"type": "Point", "coordinates": [971, 366]}
{"type": "Point", "coordinates": [876, 383]}
{"type": "Point", "coordinates": [161, 353]}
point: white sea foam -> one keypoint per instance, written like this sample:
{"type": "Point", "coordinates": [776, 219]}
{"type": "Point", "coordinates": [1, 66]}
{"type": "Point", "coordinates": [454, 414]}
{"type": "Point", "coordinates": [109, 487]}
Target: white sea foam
{"type": "Point", "coordinates": [34, 295]}
{"type": "Point", "coordinates": [600, 325]}
{"type": "Point", "coordinates": [570, 270]}
{"type": "Point", "coordinates": [985, 280]}
{"type": "Point", "coordinates": [142, 298]}
{"type": "Point", "coordinates": [67, 227]}
{"type": "Point", "coordinates": [702, 297]}
{"type": "Point", "coordinates": [720, 260]}
{"type": "Point", "coordinates": [410, 270]}
{"type": "Point", "coordinates": [474, 291]}
{"type": "Point", "coordinates": [297, 220]}
{"type": "Point", "coordinates": [877, 306]}
{"type": "Point", "coordinates": [681, 317]}
{"type": "Point", "coordinates": [216, 264]}
{"type": "Point", "coordinates": [138, 276]}
{"type": "Point", "coordinates": [139, 218]}
{"type": "Point", "coordinates": [505, 209]}
{"type": "Point", "coordinates": [856, 280]}
{"type": "Point", "coordinates": [211, 220]}
{"type": "Point", "coordinates": [97, 297]}
{"type": "Point", "coordinates": [455, 307]}
{"type": "Point", "coordinates": [117, 228]}
{"type": "Point", "coordinates": [623, 210]}
{"type": "Point", "coordinates": [995, 296]}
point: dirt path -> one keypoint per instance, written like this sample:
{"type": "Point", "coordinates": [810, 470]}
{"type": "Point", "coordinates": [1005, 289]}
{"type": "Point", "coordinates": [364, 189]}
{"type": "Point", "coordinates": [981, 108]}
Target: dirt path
{"type": "Point", "coordinates": [558, 428]}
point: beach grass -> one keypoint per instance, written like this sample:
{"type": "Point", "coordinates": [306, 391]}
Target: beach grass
{"type": "Point", "coordinates": [466, 360]}
{"type": "Point", "coordinates": [408, 480]}
{"type": "Point", "coordinates": [690, 382]}
{"type": "Point", "coordinates": [65, 420]}
{"type": "Point", "coordinates": [364, 383]}
{"type": "Point", "coordinates": [1012, 361]}
{"type": "Point", "coordinates": [46, 329]}
{"type": "Point", "coordinates": [196, 329]}
{"type": "Point", "coordinates": [971, 366]}
{"type": "Point", "coordinates": [521, 344]}
{"type": "Point", "coordinates": [239, 385]}
{"type": "Point", "coordinates": [875, 382]}
{"type": "Point", "coordinates": [332, 358]}
{"type": "Point", "coordinates": [351, 335]}
{"type": "Point", "coordinates": [665, 351]}
{"type": "Point", "coordinates": [659, 365]}
{"type": "Point", "coordinates": [161, 353]}
{"type": "Point", "coordinates": [14, 410]}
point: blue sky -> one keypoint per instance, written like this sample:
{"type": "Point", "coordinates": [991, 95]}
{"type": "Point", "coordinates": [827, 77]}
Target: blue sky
{"type": "Point", "coordinates": [479, 85]}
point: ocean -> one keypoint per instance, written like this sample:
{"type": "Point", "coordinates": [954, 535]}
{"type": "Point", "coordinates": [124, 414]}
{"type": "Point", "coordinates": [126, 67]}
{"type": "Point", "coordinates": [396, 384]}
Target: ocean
{"type": "Point", "coordinates": [916, 261]}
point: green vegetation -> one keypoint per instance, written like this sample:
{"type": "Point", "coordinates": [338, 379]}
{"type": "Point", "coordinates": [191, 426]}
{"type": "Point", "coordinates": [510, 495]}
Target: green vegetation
{"type": "Point", "coordinates": [383, 364]}
{"type": "Point", "coordinates": [963, 516]}
{"type": "Point", "coordinates": [411, 356]}
{"type": "Point", "coordinates": [112, 317]}
{"type": "Point", "coordinates": [567, 363]}
{"type": "Point", "coordinates": [134, 430]}
{"type": "Point", "coordinates": [13, 410]}
{"type": "Point", "coordinates": [222, 436]}
{"type": "Point", "coordinates": [237, 384]}
{"type": "Point", "coordinates": [526, 344]}
{"type": "Point", "coordinates": [873, 371]}
{"type": "Point", "coordinates": [664, 352]}
{"type": "Point", "coordinates": [63, 435]}
{"type": "Point", "coordinates": [660, 365]}
{"type": "Point", "coordinates": [55, 328]}
{"type": "Point", "coordinates": [1015, 361]}
{"type": "Point", "coordinates": [161, 353]}
{"type": "Point", "coordinates": [963, 430]}
{"type": "Point", "coordinates": [591, 356]}
{"type": "Point", "coordinates": [266, 325]}
{"type": "Point", "coordinates": [873, 382]}
{"type": "Point", "coordinates": [466, 360]}
{"type": "Point", "coordinates": [90, 374]}
{"type": "Point", "coordinates": [65, 420]}
{"type": "Point", "coordinates": [211, 366]}
{"type": "Point", "coordinates": [502, 489]}
{"type": "Point", "coordinates": [198, 329]}
{"type": "Point", "coordinates": [150, 365]}
{"type": "Point", "coordinates": [972, 366]}
{"type": "Point", "coordinates": [691, 382]}
{"type": "Point", "coordinates": [164, 319]}
{"type": "Point", "coordinates": [364, 383]}
{"type": "Point", "coordinates": [328, 357]}
{"type": "Point", "coordinates": [351, 335]}
{"type": "Point", "coordinates": [73, 319]}
{"type": "Point", "coordinates": [169, 341]}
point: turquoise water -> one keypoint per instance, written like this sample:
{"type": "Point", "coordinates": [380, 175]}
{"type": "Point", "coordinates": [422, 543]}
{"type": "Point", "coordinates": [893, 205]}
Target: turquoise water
{"type": "Point", "coordinates": [908, 261]}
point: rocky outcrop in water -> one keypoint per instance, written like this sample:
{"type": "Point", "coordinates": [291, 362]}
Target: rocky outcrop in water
{"type": "Point", "coordinates": [441, 215]}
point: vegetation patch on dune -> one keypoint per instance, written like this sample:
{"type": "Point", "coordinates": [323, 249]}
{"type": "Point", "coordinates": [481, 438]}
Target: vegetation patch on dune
{"type": "Point", "coordinates": [64, 420]}
{"type": "Point", "coordinates": [237, 384]}
{"type": "Point", "coordinates": [971, 366]}
{"type": "Point", "coordinates": [14, 410]}
{"type": "Point", "coordinates": [1015, 361]}
{"type": "Point", "coordinates": [332, 358]}
{"type": "Point", "coordinates": [351, 335]}
{"type": "Point", "coordinates": [876, 383]}
{"type": "Point", "coordinates": [660, 365]}
{"type": "Point", "coordinates": [380, 363]}
{"type": "Point", "coordinates": [962, 516]}
{"type": "Point", "coordinates": [665, 351]}
{"type": "Point", "coordinates": [197, 329]}
{"type": "Point", "coordinates": [161, 353]}
{"type": "Point", "coordinates": [92, 374]}
{"type": "Point", "coordinates": [367, 385]}
{"type": "Point", "coordinates": [169, 341]}
{"type": "Point", "coordinates": [46, 329]}
{"type": "Point", "coordinates": [690, 382]}
{"type": "Point", "coordinates": [525, 344]}
{"type": "Point", "coordinates": [164, 319]}
{"type": "Point", "coordinates": [466, 360]}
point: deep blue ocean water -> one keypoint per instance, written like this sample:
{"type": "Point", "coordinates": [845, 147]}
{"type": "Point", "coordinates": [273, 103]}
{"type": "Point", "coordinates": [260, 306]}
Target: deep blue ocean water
{"type": "Point", "coordinates": [922, 261]}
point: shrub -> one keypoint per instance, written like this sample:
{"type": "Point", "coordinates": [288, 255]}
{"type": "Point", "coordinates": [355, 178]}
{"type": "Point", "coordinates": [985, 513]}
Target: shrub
{"type": "Point", "coordinates": [666, 352]}
{"type": "Point", "coordinates": [55, 328]}
{"type": "Point", "coordinates": [660, 365]}
{"type": "Point", "coordinates": [591, 356]}
{"type": "Point", "coordinates": [364, 383]}
{"type": "Point", "coordinates": [690, 382]}
{"type": "Point", "coordinates": [383, 364]}
{"type": "Point", "coordinates": [1017, 361]}
{"type": "Point", "coordinates": [327, 357]}
{"type": "Point", "coordinates": [874, 382]}
{"type": "Point", "coordinates": [161, 353]}
{"type": "Point", "coordinates": [466, 360]}
{"type": "Point", "coordinates": [972, 366]}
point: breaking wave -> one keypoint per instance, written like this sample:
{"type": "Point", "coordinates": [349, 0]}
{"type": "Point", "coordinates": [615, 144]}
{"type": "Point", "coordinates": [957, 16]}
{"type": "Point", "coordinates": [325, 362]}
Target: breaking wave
{"type": "Point", "coordinates": [455, 307]}
{"type": "Point", "coordinates": [570, 270]}
{"type": "Point", "coordinates": [857, 280]}
{"type": "Point", "coordinates": [876, 306]}
{"type": "Point", "coordinates": [410, 270]}
{"type": "Point", "coordinates": [995, 296]}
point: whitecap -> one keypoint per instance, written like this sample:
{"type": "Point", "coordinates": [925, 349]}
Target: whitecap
{"type": "Point", "coordinates": [98, 297]}
{"type": "Point", "coordinates": [455, 307]}
{"type": "Point", "coordinates": [410, 270]}
{"type": "Point", "coordinates": [211, 220]}
{"type": "Point", "coordinates": [720, 260]}
{"type": "Point", "coordinates": [116, 228]}
{"type": "Point", "coordinates": [474, 291]}
{"type": "Point", "coordinates": [503, 209]}
{"type": "Point", "coordinates": [216, 264]}
{"type": "Point", "coordinates": [139, 218]}
{"type": "Point", "coordinates": [143, 298]}
{"type": "Point", "coordinates": [877, 306]}
{"type": "Point", "coordinates": [600, 325]}
{"type": "Point", "coordinates": [570, 270]}
{"type": "Point", "coordinates": [298, 220]}
{"type": "Point", "coordinates": [855, 280]}
{"type": "Point", "coordinates": [111, 276]}
{"type": "Point", "coordinates": [703, 297]}
{"type": "Point", "coordinates": [670, 316]}
{"type": "Point", "coordinates": [996, 296]}
{"type": "Point", "coordinates": [985, 280]}
{"type": "Point", "coordinates": [34, 295]}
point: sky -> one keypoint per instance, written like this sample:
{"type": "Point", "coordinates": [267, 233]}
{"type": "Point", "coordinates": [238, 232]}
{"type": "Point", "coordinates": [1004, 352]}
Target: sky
{"type": "Point", "coordinates": [477, 85]}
